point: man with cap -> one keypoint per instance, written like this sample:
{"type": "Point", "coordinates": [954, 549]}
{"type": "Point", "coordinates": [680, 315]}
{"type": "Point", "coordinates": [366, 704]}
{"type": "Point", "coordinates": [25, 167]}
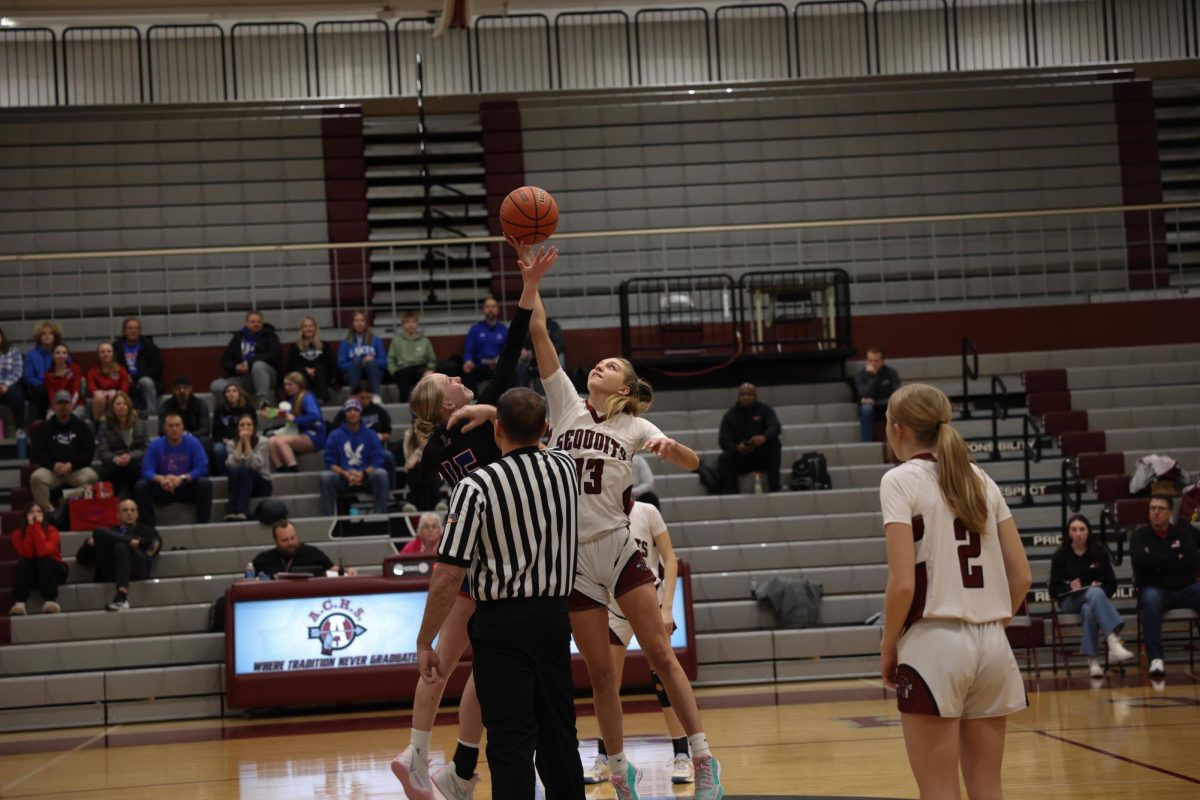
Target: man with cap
{"type": "Point", "coordinates": [197, 419]}
{"type": "Point", "coordinates": [353, 460]}
{"type": "Point", "coordinates": [62, 448]}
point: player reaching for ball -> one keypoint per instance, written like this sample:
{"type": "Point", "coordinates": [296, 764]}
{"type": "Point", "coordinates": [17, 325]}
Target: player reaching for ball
{"type": "Point", "coordinates": [603, 435]}
{"type": "Point", "coordinates": [957, 573]}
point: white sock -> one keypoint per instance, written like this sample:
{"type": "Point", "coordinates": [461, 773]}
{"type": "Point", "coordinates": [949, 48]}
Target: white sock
{"type": "Point", "coordinates": [699, 744]}
{"type": "Point", "coordinates": [420, 741]}
{"type": "Point", "coordinates": [618, 764]}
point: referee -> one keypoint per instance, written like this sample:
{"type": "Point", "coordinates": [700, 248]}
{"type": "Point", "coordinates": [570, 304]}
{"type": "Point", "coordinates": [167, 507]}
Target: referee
{"type": "Point", "coordinates": [512, 526]}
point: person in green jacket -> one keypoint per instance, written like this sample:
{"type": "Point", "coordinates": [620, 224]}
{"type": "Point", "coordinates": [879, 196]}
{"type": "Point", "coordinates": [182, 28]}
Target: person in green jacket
{"type": "Point", "coordinates": [411, 355]}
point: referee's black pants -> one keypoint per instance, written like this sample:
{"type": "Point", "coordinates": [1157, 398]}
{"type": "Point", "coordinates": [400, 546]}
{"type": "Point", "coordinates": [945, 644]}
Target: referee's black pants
{"type": "Point", "coordinates": [522, 667]}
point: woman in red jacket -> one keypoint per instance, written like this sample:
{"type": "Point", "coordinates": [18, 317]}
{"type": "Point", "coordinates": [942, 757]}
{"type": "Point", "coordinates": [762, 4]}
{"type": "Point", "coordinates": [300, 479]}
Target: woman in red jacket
{"type": "Point", "coordinates": [39, 563]}
{"type": "Point", "coordinates": [105, 381]}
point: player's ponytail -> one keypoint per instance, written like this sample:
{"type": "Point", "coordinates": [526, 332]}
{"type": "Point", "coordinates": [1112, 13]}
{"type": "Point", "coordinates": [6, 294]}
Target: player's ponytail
{"type": "Point", "coordinates": [426, 406]}
{"type": "Point", "coordinates": [636, 402]}
{"type": "Point", "coordinates": [926, 411]}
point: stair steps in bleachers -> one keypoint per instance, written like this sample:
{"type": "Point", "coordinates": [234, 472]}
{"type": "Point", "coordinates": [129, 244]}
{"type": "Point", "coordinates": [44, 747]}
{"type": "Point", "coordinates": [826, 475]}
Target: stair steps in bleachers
{"type": "Point", "coordinates": [1177, 112]}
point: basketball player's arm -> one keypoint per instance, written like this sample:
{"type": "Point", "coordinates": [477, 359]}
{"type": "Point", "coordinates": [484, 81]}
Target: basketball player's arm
{"type": "Point", "coordinates": [666, 552]}
{"type": "Point", "coordinates": [897, 600]}
{"type": "Point", "coordinates": [1016, 565]}
{"type": "Point", "coordinates": [673, 452]}
{"type": "Point", "coordinates": [534, 267]}
{"type": "Point", "coordinates": [443, 590]}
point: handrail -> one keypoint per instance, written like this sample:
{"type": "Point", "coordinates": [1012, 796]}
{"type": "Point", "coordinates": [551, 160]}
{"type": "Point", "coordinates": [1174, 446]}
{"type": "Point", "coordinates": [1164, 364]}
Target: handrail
{"type": "Point", "coordinates": [972, 372]}
{"type": "Point", "coordinates": [1108, 517]}
{"type": "Point", "coordinates": [1069, 469]}
{"type": "Point", "coordinates": [1031, 454]}
{"type": "Point", "coordinates": [999, 412]}
{"type": "Point", "coordinates": [763, 226]}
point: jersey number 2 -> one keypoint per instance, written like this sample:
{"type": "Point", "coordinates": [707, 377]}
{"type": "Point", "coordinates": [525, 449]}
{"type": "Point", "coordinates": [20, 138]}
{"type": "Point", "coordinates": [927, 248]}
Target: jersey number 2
{"type": "Point", "coordinates": [972, 574]}
{"type": "Point", "coordinates": [594, 467]}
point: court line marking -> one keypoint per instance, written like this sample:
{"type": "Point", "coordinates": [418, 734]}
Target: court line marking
{"type": "Point", "coordinates": [1126, 759]}
{"type": "Point", "coordinates": [84, 744]}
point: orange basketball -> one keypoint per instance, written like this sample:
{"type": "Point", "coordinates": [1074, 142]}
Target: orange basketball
{"type": "Point", "coordinates": [529, 215]}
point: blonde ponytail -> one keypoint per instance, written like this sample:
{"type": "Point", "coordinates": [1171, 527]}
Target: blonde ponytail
{"type": "Point", "coordinates": [637, 402]}
{"type": "Point", "coordinates": [426, 405]}
{"type": "Point", "coordinates": [926, 411]}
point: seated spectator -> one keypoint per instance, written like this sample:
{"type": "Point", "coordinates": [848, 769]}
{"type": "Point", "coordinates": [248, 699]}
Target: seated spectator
{"type": "Point", "coordinates": [12, 391]}
{"type": "Point", "coordinates": [305, 414]}
{"type": "Point", "coordinates": [527, 368]}
{"type": "Point", "coordinates": [63, 376]}
{"type": "Point", "coordinates": [749, 441]}
{"type": "Point", "coordinates": [874, 384]}
{"type": "Point", "coordinates": [361, 354]}
{"type": "Point", "coordinates": [63, 447]}
{"type": "Point", "coordinates": [124, 553]}
{"type": "Point", "coordinates": [353, 460]}
{"type": "Point", "coordinates": [251, 360]}
{"type": "Point", "coordinates": [249, 465]}
{"type": "Point", "coordinates": [175, 470]}
{"type": "Point", "coordinates": [38, 362]}
{"type": "Point", "coordinates": [288, 554]}
{"type": "Point", "coordinates": [1081, 582]}
{"type": "Point", "coordinates": [105, 380]}
{"type": "Point", "coordinates": [410, 356]}
{"type": "Point", "coordinates": [192, 410]}
{"type": "Point", "coordinates": [375, 417]}
{"type": "Point", "coordinates": [429, 535]}
{"type": "Point", "coordinates": [643, 481]}
{"type": "Point", "coordinates": [233, 406]}
{"type": "Point", "coordinates": [412, 448]}
{"type": "Point", "coordinates": [121, 445]}
{"type": "Point", "coordinates": [483, 345]}
{"type": "Point", "coordinates": [308, 356]}
{"type": "Point", "coordinates": [39, 563]}
{"type": "Point", "coordinates": [142, 360]}
{"type": "Point", "coordinates": [1164, 574]}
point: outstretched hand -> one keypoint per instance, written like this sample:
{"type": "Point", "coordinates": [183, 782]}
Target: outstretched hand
{"type": "Point", "coordinates": [534, 265]}
{"type": "Point", "coordinates": [472, 416]}
{"type": "Point", "coordinates": [661, 446]}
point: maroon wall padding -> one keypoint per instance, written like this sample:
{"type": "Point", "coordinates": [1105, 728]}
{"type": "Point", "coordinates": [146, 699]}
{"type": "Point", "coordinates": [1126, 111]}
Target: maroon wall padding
{"type": "Point", "coordinates": [1092, 465]}
{"type": "Point", "coordinates": [1055, 423]}
{"type": "Point", "coordinates": [11, 521]}
{"type": "Point", "coordinates": [1044, 380]}
{"type": "Point", "coordinates": [1072, 444]}
{"type": "Point", "coordinates": [503, 171]}
{"type": "Point", "coordinates": [344, 149]}
{"type": "Point", "coordinates": [1141, 183]}
{"type": "Point", "coordinates": [1042, 403]}
{"type": "Point", "coordinates": [1112, 487]}
{"type": "Point", "coordinates": [1133, 511]}
{"type": "Point", "coordinates": [21, 498]}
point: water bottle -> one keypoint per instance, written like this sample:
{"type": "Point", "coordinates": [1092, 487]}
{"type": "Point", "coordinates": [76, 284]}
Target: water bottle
{"type": "Point", "coordinates": [22, 445]}
{"type": "Point", "coordinates": [250, 570]}
{"type": "Point", "coordinates": [758, 487]}
{"type": "Point", "coordinates": [341, 569]}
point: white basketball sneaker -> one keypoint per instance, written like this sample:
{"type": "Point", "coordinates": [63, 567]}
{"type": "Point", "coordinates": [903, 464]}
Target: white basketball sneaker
{"type": "Point", "coordinates": [452, 787]}
{"type": "Point", "coordinates": [681, 768]}
{"type": "Point", "coordinates": [412, 770]}
{"type": "Point", "coordinates": [599, 773]}
{"type": "Point", "coordinates": [1117, 650]}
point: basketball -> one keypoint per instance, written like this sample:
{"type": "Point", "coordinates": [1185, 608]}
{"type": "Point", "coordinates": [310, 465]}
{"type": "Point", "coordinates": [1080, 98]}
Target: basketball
{"type": "Point", "coordinates": [529, 215]}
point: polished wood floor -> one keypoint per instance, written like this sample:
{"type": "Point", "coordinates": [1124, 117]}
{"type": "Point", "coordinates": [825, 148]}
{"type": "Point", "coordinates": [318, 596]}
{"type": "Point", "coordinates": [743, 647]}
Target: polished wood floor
{"type": "Point", "coordinates": [839, 739]}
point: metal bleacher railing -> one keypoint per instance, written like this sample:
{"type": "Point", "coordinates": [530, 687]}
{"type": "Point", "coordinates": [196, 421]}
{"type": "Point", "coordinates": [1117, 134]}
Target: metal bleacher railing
{"type": "Point", "coordinates": [888, 265]}
{"type": "Point", "coordinates": [524, 52]}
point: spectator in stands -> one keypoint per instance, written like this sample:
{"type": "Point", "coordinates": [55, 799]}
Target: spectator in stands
{"type": "Point", "coordinates": [251, 360]}
{"type": "Point", "coordinates": [105, 380]}
{"type": "Point", "coordinates": [62, 448]}
{"type": "Point", "coordinates": [175, 470]}
{"type": "Point", "coordinates": [142, 360]}
{"type": "Point", "coordinates": [308, 356]}
{"type": "Point", "coordinates": [527, 369]}
{"type": "Point", "coordinates": [362, 355]}
{"type": "Point", "coordinates": [1081, 582]}
{"type": "Point", "coordinates": [353, 460]}
{"type": "Point", "coordinates": [249, 466]}
{"type": "Point", "coordinates": [429, 535]}
{"type": "Point", "coordinates": [410, 356]}
{"type": "Point", "coordinates": [375, 417]}
{"type": "Point", "coordinates": [63, 376]}
{"type": "Point", "coordinates": [305, 414]}
{"type": "Point", "coordinates": [1164, 574]}
{"type": "Point", "coordinates": [39, 563]}
{"type": "Point", "coordinates": [233, 406]}
{"type": "Point", "coordinates": [874, 384]}
{"type": "Point", "coordinates": [38, 362]}
{"type": "Point", "coordinates": [412, 448]}
{"type": "Point", "coordinates": [481, 350]}
{"type": "Point", "coordinates": [643, 481]}
{"type": "Point", "coordinates": [749, 441]}
{"type": "Point", "coordinates": [12, 391]}
{"type": "Point", "coordinates": [121, 445]}
{"type": "Point", "coordinates": [194, 412]}
{"type": "Point", "coordinates": [288, 554]}
{"type": "Point", "coordinates": [124, 553]}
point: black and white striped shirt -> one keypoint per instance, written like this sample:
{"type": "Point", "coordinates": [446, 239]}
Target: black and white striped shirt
{"type": "Point", "coordinates": [515, 523]}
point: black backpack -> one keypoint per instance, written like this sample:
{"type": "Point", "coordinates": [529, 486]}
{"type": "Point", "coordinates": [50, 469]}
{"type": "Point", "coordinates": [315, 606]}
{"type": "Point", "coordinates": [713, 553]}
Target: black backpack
{"type": "Point", "coordinates": [709, 478]}
{"type": "Point", "coordinates": [810, 471]}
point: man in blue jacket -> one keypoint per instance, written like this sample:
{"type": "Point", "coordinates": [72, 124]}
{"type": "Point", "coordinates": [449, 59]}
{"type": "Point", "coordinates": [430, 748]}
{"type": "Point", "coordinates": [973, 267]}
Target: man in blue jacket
{"type": "Point", "coordinates": [353, 459]}
{"type": "Point", "coordinates": [481, 350]}
{"type": "Point", "coordinates": [174, 470]}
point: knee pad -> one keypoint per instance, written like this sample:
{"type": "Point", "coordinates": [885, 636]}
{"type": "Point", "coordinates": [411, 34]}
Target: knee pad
{"type": "Point", "coordinates": [660, 691]}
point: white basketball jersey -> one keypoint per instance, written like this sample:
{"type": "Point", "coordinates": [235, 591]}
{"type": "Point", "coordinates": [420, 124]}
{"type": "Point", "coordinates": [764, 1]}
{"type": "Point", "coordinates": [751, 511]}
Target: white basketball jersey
{"type": "Point", "coordinates": [603, 450]}
{"type": "Point", "coordinates": [960, 573]}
